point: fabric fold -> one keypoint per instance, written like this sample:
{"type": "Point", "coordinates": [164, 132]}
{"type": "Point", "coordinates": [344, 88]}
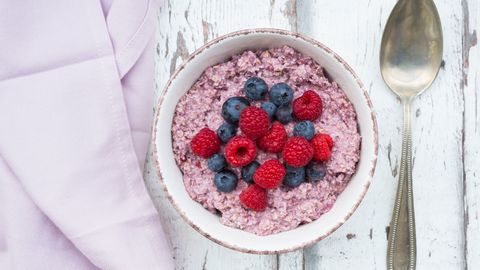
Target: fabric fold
{"type": "Point", "coordinates": [69, 161]}
{"type": "Point", "coordinates": [130, 35]}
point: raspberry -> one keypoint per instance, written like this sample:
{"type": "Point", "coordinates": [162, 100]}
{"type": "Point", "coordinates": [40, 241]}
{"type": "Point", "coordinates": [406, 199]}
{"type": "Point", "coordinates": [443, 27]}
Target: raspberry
{"type": "Point", "coordinates": [274, 140]}
{"type": "Point", "coordinates": [254, 198]}
{"type": "Point", "coordinates": [308, 106]}
{"type": "Point", "coordinates": [328, 139]}
{"type": "Point", "coordinates": [297, 152]}
{"type": "Point", "coordinates": [240, 151]}
{"type": "Point", "coordinates": [270, 174]}
{"type": "Point", "coordinates": [205, 143]}
{"type": "Point", "coordinates": [322, 146]}
{"type": "Point", "coordinates": [254, 122]}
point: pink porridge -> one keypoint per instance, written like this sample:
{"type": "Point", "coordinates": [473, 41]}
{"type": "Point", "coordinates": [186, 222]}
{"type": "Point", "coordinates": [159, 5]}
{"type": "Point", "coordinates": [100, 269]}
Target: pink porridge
{"type": "Point", "coordinates": [287, 208]}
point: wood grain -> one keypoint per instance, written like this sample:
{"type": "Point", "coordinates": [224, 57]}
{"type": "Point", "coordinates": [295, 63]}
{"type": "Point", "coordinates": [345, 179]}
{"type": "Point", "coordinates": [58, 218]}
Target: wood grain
{"type": "Point", "coordinates": [446, 132]}
{"type": "Point", "coordinates": [471, 135]}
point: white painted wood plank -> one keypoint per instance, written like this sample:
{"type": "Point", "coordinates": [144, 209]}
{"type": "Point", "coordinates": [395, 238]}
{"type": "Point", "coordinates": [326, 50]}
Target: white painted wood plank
{"type": "Point", "coordinates": [183, 27]}
{"type": "Point", "coordinates": [291, 261]}
{"type": "Point", "coordinates": [354, 29]}
{"type": "Point", "coordinates": [438, 166]}
{"type": "Point", "coordinates": [471, 82]}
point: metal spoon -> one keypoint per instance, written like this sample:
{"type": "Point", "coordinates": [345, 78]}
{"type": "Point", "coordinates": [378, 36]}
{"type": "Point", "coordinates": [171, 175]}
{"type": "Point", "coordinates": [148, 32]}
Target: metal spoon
{"type": "Point", "coordinates": [410, 57]}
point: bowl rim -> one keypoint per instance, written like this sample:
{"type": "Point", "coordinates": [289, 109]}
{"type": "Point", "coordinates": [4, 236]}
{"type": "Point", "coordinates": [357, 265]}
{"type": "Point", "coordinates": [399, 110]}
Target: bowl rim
{"type": "Point", "coordinates": [284, 33]}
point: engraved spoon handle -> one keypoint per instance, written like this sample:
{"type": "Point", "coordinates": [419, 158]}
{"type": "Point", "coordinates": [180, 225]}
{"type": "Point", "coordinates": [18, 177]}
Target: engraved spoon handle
{"type": "Point", "coordinates": [402, 250]}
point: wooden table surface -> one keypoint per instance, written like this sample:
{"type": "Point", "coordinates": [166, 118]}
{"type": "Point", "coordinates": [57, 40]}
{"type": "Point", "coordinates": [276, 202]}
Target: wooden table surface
{"type": "Point", "coordinates": [446, 132]}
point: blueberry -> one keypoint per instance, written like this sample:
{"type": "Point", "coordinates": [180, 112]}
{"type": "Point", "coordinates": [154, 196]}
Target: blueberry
{"type": "Point", "coordinates": [217, 162]}
{"type": "Point", "coordinates": [316, 171]}
{"type": "Point", "coordinates": [270, 108]}
{"type": "Point", "coordinates": [248, 171]}
{"type": "Point", "coordinates": [226, 131]}
{"type": "Point", "coordinates": [225, 181]}
{"type": "Point", "coordinates": [284, 114]}
{"type": "Point", "coordinates": [304, 129]}
{"type": "Point", "coordinates": [255, 88]}
{"type": "Point", "coordinates": [294, 176]}
{"type": "Point", "coordinates": [281, 94]}
{"type": "Point", "coordinates": [232, 108]}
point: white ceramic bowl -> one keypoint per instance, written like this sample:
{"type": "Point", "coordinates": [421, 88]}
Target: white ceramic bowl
{"type": "Point", "coordinates": [207, 223]}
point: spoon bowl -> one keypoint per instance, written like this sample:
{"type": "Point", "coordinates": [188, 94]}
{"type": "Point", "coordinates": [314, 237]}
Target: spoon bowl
{"type": "Point", "coordinates": [412, 47]}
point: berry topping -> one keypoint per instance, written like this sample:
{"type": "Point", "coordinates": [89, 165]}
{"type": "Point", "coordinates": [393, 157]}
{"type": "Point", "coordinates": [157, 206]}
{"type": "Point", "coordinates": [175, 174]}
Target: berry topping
{"type": "Point", "coordinates": [240, 151]}
{"type": "Point", "coordinates": [297, 152]}
{"type": "Point", "coordinates": [254, 198]}
{"type": "Point", "coordinates": [226, 131]}
{"type": "Point", "coordinates": [308, 106]}
{"type": "Point", "coordinates": [304, 129]}
{"type": "Point", "coordinates": [270, 174]}
{"type": "Point", "coordinates": [274, 140]}
{"type": "Point", "coordinates": [264, 126]}
{"type": "Point", "coordinates": [322, 146]}
{"type": "Point", "coordinates": [205, 143]}
{"type": "Point", "coordinates": [217, 162]}
{"type": "Point", "coordinates": [316, 171]}
{"type": "Point", "coordinates": [225, 181]}
{"type": "Point", "coordinates": [294, 176]}
{"type": "Point", "coordinates": [281, 94]}
{"type": "Point", "coordinates": [284, 114]}
{"type": "Point", "coordinates": [254, 122]}
{"type": "Point", "coordinates": [270, 108]}
{"type": "Point", "coordinates": [248, 171]}
{"type": "Point", "coordinates": [255, 88]}
{"type": "Point", "coordinates": [232, 108]}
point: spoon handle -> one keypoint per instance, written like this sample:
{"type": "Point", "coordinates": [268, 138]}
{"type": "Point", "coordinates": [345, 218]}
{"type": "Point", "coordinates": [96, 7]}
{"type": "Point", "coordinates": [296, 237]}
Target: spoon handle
{"type": "Point", "coordinates": [402, 250]}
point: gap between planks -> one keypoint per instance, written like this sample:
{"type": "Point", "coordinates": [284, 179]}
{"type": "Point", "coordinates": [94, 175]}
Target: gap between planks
{"type": "Point", "coordinates": [470, 134]}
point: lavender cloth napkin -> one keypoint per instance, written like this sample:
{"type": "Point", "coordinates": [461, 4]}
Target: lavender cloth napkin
{"type": "Point", "coordinates": [76, 82]}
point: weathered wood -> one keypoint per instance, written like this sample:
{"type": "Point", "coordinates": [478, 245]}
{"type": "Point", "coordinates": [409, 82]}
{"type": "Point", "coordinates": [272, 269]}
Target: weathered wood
{"type": "Point", "coordinates": [354, 30]}
{"type": "Point", "coordinates": [183, 27]}
{"type": "Point", "coordinates": [446, 132]}
{"type": "Point", "coordinates": [471, 140]}
{"type": "Point", "coordinates": [291, 261]}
